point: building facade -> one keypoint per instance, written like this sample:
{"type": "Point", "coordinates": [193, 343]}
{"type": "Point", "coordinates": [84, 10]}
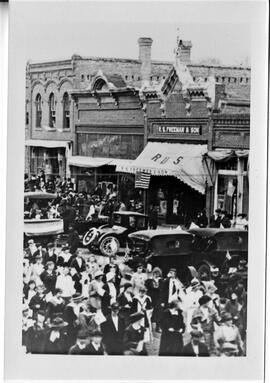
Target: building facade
{"type": "Point", "coordinates": [101, 120]}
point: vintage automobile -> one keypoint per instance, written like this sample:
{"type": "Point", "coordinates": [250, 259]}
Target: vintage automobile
{"type": "Point", "coordinates": [36, 221]}
{"type": "Point", "coordinates": [164, 248]}
{"type": "Point", "coordinates": [109, 238]}
{"type": "Point", "coordinates": [218, 250]}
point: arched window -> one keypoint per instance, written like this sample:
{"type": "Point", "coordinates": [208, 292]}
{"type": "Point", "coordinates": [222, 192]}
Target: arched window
{"type": "Point", "coordinates": [38, 111]}
{"type": "Point", "coordinates": [51, 111]}
{"type": "Point", "coordinates": [66, 114]}
{"type": "Point", "coordinates": [100, 85]}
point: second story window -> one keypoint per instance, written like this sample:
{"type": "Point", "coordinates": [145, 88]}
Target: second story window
{"type": "Point", "coordinates": [38, 111]}
{"type": "Point", "coordinates": [52, 116]}
{"type": "Point", "coordinates": [66, 113]}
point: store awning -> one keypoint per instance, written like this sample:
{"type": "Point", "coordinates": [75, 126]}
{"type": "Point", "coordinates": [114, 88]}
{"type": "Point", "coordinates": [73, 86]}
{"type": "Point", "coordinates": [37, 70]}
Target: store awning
{"type": "Point", "coordinates": [47, 143]}
{"type": "Point", "coordinates": [220, 155]}
{"type": "Point", "coordinates": [95, 162]}
{"type": "Point", "coordinates": [184, 161]}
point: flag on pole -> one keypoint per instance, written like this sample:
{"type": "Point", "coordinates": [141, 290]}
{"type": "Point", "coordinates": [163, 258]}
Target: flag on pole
{"type": "Point", "coordinates": [142, 180]}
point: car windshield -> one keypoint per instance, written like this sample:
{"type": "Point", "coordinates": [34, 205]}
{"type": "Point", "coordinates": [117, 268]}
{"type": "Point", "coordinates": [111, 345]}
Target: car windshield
{"type": "Point", "coordinates": [117, 219]}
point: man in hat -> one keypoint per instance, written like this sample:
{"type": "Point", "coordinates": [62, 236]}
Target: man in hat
{"type": "Point", "coordinates": [56, 340]}
{"type": "Point", "coordinates": [78, 262]}
{"type": "Point", "coordinates": [31, 250]}
{"type": "Point", "coordinates": [112, 266]}
{"type": "Point", "coordinates": [50, 254]}
{"type": "Point", "coordinates": [195, 347]}
{"type": "Point", "coordinates": [38, 301]}
{"type": "Point", "coordinates": [172, 289]}
{"type": "Point", "coordinates": [96, 289]}
{"type": "Point", "coordinates": [95, 346]}
{"type": "Point", "coordinates": [81, 345]}
{"type": "Point", "coordinates": [113, 331]}
{"type": "Point", "coordinates": [228, 349]}
{"type": "Point", "coordinates": [228, 333]}
{"type": "Point", "coordinates": [48, 277]}
{"type": "Point", "coordinates": [125, 299]}
{"type": "Point", "coordinates": [134, 335]}
{"type": "Point", "coordinates": [40, 251]}
{"type": "Point", "coordinates": [215, 219]}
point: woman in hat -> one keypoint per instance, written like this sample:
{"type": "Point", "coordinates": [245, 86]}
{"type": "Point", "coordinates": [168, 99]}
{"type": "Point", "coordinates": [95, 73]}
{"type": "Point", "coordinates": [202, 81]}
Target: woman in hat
{"type": "Point", "coordinates": [56, 340]}
{"type": "Point", "coordinates": [48, 277]}
{"type": "Point", "coordinates": [30, 290]}
{"type": "Point", "coordinates": [64, 257]}
{"type": "Point", "coordinates": [134, 335]}
{"type": "Point", "coordinates": [96, 290]}
{"type": "Point", "coordinates": [173, 327]}
{"type": "Point", "coordinates": [142, 303]}
{"type": "Point", "coordinates": [209, 317]}
{"type": "Point", "coordinates": [138, 278]}
{"type": "Point", "coordinates": [153, 286]}
{"type": "Point", "coordinates": [193, 293]}
{"type": "Point", "coordinates": [228, 333]}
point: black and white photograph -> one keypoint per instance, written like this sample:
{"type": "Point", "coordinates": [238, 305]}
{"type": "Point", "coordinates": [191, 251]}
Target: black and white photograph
{"type": "Point", "coordinates": [135, 186]}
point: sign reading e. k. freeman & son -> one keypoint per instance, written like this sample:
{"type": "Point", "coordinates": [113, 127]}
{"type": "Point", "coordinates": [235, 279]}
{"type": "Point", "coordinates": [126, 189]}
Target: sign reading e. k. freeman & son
{"type": "Point", "coordinates": [195, 130]}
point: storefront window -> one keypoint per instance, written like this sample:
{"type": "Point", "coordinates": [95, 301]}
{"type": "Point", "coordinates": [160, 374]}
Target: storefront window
{"type": "Point", "coordinates": [227, 193]}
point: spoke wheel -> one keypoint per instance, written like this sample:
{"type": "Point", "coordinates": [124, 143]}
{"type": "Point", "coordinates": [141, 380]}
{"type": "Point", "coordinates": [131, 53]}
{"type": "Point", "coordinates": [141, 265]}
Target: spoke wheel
{"type": "Point", "coordinates": [109, 246]}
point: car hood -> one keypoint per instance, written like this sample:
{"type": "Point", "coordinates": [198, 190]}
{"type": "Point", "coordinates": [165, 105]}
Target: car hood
{"type": "Point", "coordinates": [112, 230]}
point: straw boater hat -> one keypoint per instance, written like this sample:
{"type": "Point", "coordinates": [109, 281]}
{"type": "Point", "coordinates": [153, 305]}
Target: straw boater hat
{"type": "Point", "coordinates": [77, 298]}
{"type": "Point", "coordinates": [58, 323]}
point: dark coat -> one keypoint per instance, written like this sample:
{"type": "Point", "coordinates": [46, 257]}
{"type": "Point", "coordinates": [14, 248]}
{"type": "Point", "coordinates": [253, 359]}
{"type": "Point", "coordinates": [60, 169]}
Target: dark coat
{"type": "Point", "coordinates": [75, 350]}
{"type": "Point", "coordinates": [37, 303]}
{"type": "Point", "coordinates": [225, 222]}
{"type": "Point", "coordinates": [171, 343]}
{"type": "Point", "coordinates": [73, 241]}
{"type": "Point", "coordinates": [188, 350]}
{"type": "Point", "coordinates": [36, 339]}
{"type": "Point", "coordinates": [59, 346]}
{"type": "Point", "coordinates": [112, 338]}
{"type": "Point", "coordinates": [154, 291]}
{"type": "Point", "coordinates": [52, 258]}
{"type": "Point", "coordinates": [49, 280]}
{"type": "Point", "coordinates": [92, 351]}
{"type": "Point", "coordinates": [74, 263]}
{"type": "Point", "coordinates": [38, 252]}
{"type": "Point", "coordinates": [215, 221]}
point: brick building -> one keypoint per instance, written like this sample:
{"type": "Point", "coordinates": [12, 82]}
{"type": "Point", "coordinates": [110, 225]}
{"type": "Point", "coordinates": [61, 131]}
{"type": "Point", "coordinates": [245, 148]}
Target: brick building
{"type": "Point", "coordinates": [88, 117]}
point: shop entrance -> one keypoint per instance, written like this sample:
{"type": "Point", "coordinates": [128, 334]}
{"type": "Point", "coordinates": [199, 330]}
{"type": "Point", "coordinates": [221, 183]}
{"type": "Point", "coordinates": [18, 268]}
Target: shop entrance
{"type": "Point", "coordinates": [178, 204]}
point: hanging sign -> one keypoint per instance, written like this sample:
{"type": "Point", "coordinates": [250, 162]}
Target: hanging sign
{"type": "Point", "coordinates": [177, 129]}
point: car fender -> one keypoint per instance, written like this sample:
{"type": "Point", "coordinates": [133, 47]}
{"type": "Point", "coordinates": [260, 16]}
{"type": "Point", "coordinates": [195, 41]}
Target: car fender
{"type": "Point", "coordinates": [110, 234]}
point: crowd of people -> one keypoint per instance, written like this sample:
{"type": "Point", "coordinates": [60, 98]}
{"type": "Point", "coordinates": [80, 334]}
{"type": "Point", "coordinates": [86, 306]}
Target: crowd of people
{"type": "Point", "coordinates": [75, 302]}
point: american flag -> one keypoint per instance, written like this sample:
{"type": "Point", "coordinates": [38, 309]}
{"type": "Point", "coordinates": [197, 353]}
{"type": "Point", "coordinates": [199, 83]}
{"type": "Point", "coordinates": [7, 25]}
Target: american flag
{"type": "Point", "coordinates": [142, 180]}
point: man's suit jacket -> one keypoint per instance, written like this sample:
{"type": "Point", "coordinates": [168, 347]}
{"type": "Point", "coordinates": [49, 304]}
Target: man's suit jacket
{"type": "Point", "coordinates": [113, 339]}
{"type": "Point", "coordinates": [188, 350]}
{"type": "Point", "coordinates": [92, 351]}
{"type": "Point", "coordinates": [165, 290]}
{"type": "Point", "coordinates": [74, 263]}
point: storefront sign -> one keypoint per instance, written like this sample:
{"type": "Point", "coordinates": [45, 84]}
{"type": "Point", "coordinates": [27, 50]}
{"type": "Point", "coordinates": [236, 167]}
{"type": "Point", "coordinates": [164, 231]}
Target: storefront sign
{"type": "Point", "coordinates": [188, 129]}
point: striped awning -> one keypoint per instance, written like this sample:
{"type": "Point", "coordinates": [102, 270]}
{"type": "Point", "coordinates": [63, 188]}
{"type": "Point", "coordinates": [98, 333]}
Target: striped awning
{"type": "Point", "coordinates": [95, 162]}
{"type": "Point", "coordinates": [184, 161]}
{"type": "Point", "coordinates": [47, 143]}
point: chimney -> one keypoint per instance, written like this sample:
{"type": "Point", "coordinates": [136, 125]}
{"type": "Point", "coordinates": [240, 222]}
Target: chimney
{"type": "Point", "coordinates": [183, 51]}
{"type": "Point", "coordinates": [145, 44]}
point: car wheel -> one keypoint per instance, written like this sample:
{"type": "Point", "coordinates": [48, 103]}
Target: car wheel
{"type": "Point", "coordinates": [109, 246]}
{"type": "Point", "coordinates": [89, 236]}
{"type": "Point", "coordinates": [204, 272]}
